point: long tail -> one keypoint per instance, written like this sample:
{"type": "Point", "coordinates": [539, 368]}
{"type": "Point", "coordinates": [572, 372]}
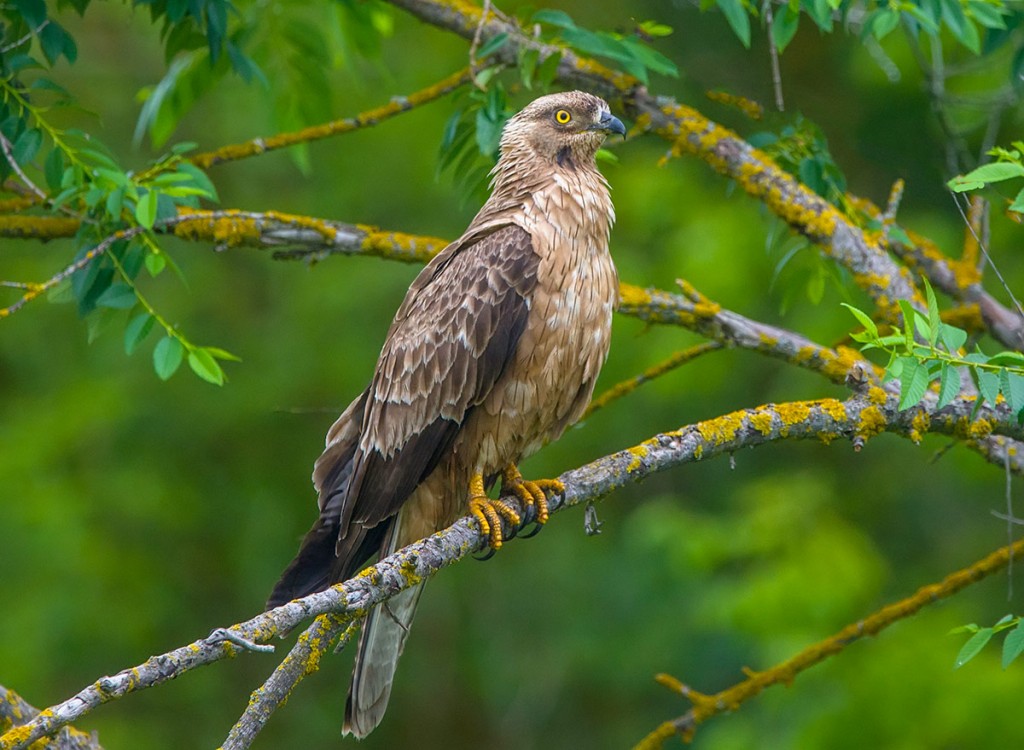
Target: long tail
{"type": "Point", "coordinates": [380, 645]}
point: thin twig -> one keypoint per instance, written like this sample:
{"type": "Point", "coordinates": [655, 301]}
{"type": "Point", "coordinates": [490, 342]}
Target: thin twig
{"type": "Point", "coordinates": [773, 54]}
{"type": "Point", "coordinates": [28, 35]}
{"type": "Point", "coordinates": [988, 258]}
{"type": "Point", "coordinates": [9, 155]}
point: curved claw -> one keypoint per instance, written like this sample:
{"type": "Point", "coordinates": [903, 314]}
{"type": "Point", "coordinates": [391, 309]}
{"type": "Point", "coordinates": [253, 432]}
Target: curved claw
{"type": "Point", "coordinates": [488, 513]}
{"type": "Point", "coordinates": [533, 494]}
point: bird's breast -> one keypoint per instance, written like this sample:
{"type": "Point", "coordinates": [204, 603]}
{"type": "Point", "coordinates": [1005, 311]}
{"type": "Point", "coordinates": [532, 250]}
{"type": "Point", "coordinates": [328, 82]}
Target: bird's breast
{"type": "Point", "coordinates": [551, 377]}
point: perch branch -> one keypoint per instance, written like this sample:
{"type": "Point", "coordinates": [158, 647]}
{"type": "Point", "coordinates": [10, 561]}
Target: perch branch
{"type": "Point", "coordinates": [857, 419]}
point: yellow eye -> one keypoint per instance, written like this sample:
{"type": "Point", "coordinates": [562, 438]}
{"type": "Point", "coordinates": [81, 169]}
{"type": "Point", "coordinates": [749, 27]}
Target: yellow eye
{"type": "Point", "coordinates": [562, 116]}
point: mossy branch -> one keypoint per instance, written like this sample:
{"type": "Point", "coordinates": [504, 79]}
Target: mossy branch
{"type": "Point", "coordinates": [856, 420]}
{"type": "Point", "coordinates": [689, 131]}
{"type": "Point", "coordinates": [396, 106]}
{"type": "Point", "coordinates": [15, 711]}
{"type": "Point", "coordinates": [730, 699]}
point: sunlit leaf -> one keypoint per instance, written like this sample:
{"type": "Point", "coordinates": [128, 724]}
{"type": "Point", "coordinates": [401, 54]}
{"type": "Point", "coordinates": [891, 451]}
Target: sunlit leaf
{"type": "Point", "coordinates": [167, 357]}
{"type": "Point", "coordinates": [973, 646]}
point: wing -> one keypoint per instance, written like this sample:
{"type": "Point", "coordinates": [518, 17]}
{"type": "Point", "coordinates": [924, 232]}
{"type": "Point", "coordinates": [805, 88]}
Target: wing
{"type": "Point", "coordinates": [451, 340]}
{"type": "Point", "coordinates": [449, 343]}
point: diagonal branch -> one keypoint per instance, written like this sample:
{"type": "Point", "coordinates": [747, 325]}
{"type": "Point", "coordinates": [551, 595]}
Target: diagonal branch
{"type": "Point", "coordinates": [15, 711]}
{"type": "Point", "coordinates": [706, 706]}
{"type": "Point", "coordinates": [396, 106]}
{"type": "Point", "coordinates": [857, 419]}
{"type": "Point", "coordinates": [691, 132]}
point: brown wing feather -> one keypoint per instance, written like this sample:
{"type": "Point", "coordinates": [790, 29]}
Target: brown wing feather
{"type": "Point", "coordinates": [449, 344]}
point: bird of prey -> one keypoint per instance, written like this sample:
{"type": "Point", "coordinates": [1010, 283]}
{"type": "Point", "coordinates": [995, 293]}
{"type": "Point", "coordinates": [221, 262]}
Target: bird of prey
{"type": "Point", "coordinates": [493, 353]}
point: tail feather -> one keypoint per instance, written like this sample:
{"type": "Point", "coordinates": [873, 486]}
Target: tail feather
{"type": "Point", "coordinates": [380, 646]}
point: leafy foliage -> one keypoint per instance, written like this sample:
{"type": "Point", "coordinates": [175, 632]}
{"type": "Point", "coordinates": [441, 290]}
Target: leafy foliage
{"type": "Point", "coordinates": [928, 351]}
{"type": "Point", "coordinates": [1013, 642]}
{"type": "Point", "coordinates": [974, 24]}
{"type": "Point", "coordinates": [1008, 166]}
{"type": "Point", "coordinates": [626, 51]}
{"type": "Point", "coordinates": [118, 209]}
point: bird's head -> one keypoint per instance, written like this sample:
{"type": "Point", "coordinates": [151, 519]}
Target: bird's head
{"type": "Point", "coordinates": [565, 128]}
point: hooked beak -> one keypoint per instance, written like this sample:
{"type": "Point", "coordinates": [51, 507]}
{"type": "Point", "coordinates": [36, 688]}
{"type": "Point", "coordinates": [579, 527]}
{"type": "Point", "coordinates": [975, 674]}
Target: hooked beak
{"type": "Point", "coordinates": [610, 124]}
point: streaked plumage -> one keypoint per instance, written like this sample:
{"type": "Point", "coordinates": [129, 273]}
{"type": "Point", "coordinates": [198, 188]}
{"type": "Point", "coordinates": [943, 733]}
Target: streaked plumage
{"type": "Point", "coordinates": [494, 352]}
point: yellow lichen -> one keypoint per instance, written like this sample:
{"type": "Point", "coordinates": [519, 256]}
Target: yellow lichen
{"type": "Point", "coordinates": [721, 429]}
{"type": "Point", "coordinates": [833, 408]}
{"type": "Point", "coordinates": [762, 421]}
{"type": "Point", "coordinates": [877, 395]}
{"type": "Point", "coordinates": [872, 422]}
{"type": "Point", "coordinates": [980, 428]}
{"type": "Point", "coordinates": [792, 414]}
{"type": "Point", "coordinates": [639, 452]}
{"type": "Point", "coordinates": [919, 425]}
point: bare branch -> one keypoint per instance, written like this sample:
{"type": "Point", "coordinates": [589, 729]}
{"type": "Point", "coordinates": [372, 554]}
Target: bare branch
{"type": "Point", "coordinates": [706, 706]}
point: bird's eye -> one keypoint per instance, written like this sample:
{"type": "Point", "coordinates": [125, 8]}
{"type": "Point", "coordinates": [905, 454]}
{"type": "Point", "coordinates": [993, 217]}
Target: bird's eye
{"type": "Point", "coordinates": [562, 116]}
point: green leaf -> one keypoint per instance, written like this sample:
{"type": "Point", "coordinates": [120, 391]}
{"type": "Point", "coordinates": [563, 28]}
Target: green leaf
{"type": "Point", "coordinates": [986, 173]}
{"type": "Point", "coordinates": [1011, 385]}
{"type": "Point", "coordinates": [145, 209]}
{"type": "Point", "coordinates": [54, 170]}
{"type": "Point", "coordinates": [882, 22]}
{"type": "Point", "coordinates": [949, 384]}
{"type": "Point", "coordinates": [155, 263]}
{"type": "Point", "coordinates": [558, 18]}
{"type": "Point", "coordinates": [952, 337]}
{"type": "Point", "coordinates": [738, 19]}
{"type": "Point", "coordinates": [27, 146]}
{"type": "Point", "coordinates": [987, 15]}
{"type": "Point", "coordinates": [136, 330]}
{"type": "Point", "coordinates": [988, 385]}
{"type": "Point", "coordinates": [222, 354]}
{"type": "Point", "coordinates": [913, 382]}
{"type": "Point", "coordinates": [973, 646]}
{"type": "Point", "coordinates": [909, 321]}
{"type": "Point", "coordinates": [167, 357]}
{"type": "Point", "coordinates": [864, 319]}
{"type": "Point", "coordinates": [1013, 645]}
{"type": "Point", "coordinates": [963, 29]}
{"type": "Point", "coordinates": [205, 366]}
{"type": "Point", "coordinates": [1018, 203]}
{"type": "Point", "coordinates": [784, 26]}
{"type": "Point", "coordinates": [492, 45]}
{"type": "Point", "coordinates": [118, 297]}
{"type": "Point", "coordinates": [934, 321]}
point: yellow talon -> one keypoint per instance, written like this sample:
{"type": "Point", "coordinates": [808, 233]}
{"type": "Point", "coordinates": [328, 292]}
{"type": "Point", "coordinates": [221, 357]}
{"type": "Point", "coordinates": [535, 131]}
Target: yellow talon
{"type": "Point", "coordinates": [488, 513]}
{"type": "Point", "coordinates": [532, 493]}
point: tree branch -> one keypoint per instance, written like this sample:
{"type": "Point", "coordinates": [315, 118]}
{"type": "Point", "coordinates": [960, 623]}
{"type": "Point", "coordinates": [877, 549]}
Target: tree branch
{"type": "Point", "coordinates": [730, 699]}
{"type": "Point", "coordinates": [396, 106]}
{"type": "Point", "coordinates": [691, 132]}
{"type": "Point", "coordinates": [15, 711]}
{"type": "Point", "coordinates": [857, 419]}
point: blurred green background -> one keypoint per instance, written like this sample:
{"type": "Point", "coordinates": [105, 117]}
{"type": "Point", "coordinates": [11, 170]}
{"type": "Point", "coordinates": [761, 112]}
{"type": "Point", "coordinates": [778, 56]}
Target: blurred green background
{"type": "Point", "coordinates": [139, 515]}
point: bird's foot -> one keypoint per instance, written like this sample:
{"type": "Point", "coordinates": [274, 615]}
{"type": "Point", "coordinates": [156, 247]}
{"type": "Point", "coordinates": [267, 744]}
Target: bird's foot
{"type": "Point", "coordinates": [533, 494]}
{"type": "Point", "coordinates": [488, 513]}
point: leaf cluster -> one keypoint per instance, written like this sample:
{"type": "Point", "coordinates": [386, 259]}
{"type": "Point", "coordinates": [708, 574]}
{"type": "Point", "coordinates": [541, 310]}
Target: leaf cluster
{"type": "Point", "coordinates": [1008, 166]}
{"type": "Point", "coordinates": [927, 350]}
{"type": "Point", "coordinates": [977, 25]}
{"type": "Point", "coordinates": [1013, 643]}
